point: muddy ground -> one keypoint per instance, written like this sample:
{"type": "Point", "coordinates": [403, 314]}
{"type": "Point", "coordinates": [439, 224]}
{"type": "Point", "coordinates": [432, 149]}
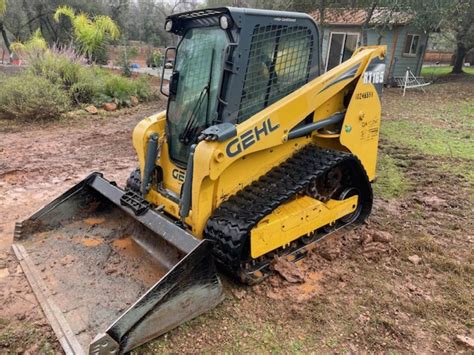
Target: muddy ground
{"type": "Point", "coordinates": [39, 162]}
{"type": "Point", "coordinates": [401, 283]}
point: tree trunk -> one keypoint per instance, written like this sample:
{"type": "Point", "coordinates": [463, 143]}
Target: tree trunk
{"type": "Point", "coordinates": [365, 25]}
{"type": "Point", "coordinates": [53, 31]}
{"type": "Point", "coordinates": [322, 10]}
{"type": "Point", "coordinates": [459, 59]}
{"type": "Point", "coordinates": [5, 37]}
{"type": "Point", "coordinates": [29, 16]}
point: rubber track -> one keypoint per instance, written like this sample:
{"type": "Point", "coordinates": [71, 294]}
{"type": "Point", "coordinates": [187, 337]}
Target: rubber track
{"type": "Point", "coordinates": [230, 225]}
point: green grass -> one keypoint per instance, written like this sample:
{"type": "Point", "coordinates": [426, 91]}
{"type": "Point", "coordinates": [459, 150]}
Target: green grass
{"type": "Point", "coordinates": [457, 114]}
{"type": "Point", "coordinates": [15, 340]}
{"type": "Point", "coordinates": [454, 144]}
{"type": "Point", "coordinates": [443, 70]}
{"type": "Point", "coordinates": [429, 140]}
{"type": "Point", "coordinates": [463, 169]}
{"type": "Point", "coordinates": [437, 124]}
{"type": "Point", "coordinates": [390, 180]}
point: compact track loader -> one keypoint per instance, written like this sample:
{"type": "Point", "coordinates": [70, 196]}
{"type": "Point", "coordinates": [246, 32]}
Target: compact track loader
{"type": "Point", "coordinates": [259, 154]}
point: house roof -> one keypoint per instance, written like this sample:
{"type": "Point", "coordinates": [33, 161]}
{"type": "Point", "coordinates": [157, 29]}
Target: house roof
{"type": "Point", "coordinates": [339, 16]}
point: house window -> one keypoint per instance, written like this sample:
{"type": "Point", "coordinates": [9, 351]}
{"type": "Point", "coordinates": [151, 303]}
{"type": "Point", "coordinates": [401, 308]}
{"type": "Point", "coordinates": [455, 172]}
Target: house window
{"type": "Point", "coordinates": [411, 45]}
{"type": "Point", "coordinates": [341, 47]}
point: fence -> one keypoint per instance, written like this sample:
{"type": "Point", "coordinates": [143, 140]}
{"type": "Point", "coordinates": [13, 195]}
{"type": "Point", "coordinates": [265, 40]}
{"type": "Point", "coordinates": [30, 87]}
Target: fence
{"type": "Point", "coordinates": [446, 58]}
{"type": "Point", "coordinates": [438, 57]}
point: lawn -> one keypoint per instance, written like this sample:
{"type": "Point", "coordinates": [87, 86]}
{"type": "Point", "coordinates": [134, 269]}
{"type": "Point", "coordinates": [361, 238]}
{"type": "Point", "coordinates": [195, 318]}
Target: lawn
{"type": "Point", "coordinates": [442, 70]}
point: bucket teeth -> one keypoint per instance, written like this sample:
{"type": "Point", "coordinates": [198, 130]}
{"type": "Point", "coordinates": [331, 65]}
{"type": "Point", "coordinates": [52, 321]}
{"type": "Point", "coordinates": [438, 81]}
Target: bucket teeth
{"type": "Point", "coordinates": [17, 234]}
{"type": "Point", "coordinates": [103, 343]}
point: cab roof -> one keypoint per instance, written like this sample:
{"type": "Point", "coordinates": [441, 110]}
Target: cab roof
{"type": "Point", "coordinates": [210, 17]}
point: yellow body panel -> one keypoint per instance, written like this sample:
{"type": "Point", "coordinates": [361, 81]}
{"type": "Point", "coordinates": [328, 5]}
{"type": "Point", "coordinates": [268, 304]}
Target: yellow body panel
{"type": "Point", "coordinates": [171, 180]}
{"type": "Point", "coordinates": [363, 117]}
{"type": "Point", "coordinates": [217, 175]}
{"type": "Point", "coordinates": [173, 176]}
{"type": "Point", "coordinates": [294, 219]}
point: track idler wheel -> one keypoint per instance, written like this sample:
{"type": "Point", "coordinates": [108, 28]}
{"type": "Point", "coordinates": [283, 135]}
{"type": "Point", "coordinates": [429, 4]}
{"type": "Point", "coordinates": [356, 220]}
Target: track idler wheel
{"type": "Point", "coordinates": [354, 216]}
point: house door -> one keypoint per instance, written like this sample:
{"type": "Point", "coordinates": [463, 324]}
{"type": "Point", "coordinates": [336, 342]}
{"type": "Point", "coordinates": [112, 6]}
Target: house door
{"type": "Point", "coordinates": [341, 47]}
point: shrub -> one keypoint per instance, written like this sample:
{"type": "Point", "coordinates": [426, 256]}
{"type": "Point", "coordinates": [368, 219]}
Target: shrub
{"type": "Point", "coordinates": [57, 78]}
{"type": "Point", "coordinates": [119, 89]}
{"type": "Point", "coordinates": [90, 33]}
{"type": "Point", "coordinates": [35, 45]}
{"type": "Point", "coordinates": [143, 88]}
{"type": "Point", "coordinates": [30, 97]}
{"type": "Point", "coordinates": [125, 58]}
{"type": "Point", "coordinates": [154, 59]}
{"type": "Point", "coordinates": [59, 67]}
{"type": "Point", "coordinates": [100, 55]}
{"type": "Point", "coordinates": [88, 84]}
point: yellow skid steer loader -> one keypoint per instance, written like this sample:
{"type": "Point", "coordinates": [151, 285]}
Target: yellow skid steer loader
{"type": "Point", "coordinates": [259, 154]}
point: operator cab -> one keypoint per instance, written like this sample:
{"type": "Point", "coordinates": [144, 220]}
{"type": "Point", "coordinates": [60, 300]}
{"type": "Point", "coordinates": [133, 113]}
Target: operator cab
{"type": "Point", "coordinates": [231, 63]}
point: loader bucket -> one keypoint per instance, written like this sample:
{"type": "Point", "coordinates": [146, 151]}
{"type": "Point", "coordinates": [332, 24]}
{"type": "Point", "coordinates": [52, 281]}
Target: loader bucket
{"type": "Point", "coordinates": [109, 272]}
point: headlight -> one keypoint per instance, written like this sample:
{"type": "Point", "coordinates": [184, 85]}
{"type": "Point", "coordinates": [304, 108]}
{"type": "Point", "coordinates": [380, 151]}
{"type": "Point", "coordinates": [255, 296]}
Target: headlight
{"type": "Point", "coordinates": [168, 26]}
{"type": "Point", "coordinates": [225, 22]}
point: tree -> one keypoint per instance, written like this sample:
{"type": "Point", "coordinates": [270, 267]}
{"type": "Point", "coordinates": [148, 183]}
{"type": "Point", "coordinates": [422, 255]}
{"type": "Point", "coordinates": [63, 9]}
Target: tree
{"type": "Point", "coordinates": [89, 34]}
{"type": "Point", "coordinates": [456, 16]}
{"type": "Point", "coordinates": [3, 9]}
{"type": "Point", "coordinates": [149, 18]}
{"type": "Point", "coordinates": [461, 23]}
{"type": "Point", "coordinates": [35, 45]}
{"type": "Point", "coordinates": [119, 9]}
{"type": "Point", "coordinates": [370, 12]}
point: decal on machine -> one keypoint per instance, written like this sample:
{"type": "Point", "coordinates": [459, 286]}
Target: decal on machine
{"type": "Point", "coordinates": [374, 77]}
{"type": "Point", "coordinates": [178, 174]}
{"type": "Point", "coordinates": [249, 138]}
{"type": "Point", "coordinates": [284, 19]}
{"type": "Point", "coordinates": [364, 95]}
{"type": "Point", "coordinates": [370, 130]}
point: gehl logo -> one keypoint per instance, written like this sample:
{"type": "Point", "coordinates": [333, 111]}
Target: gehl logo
{"type": "Point", "coordinates": [179, 175]}
{"type": "Point", "coordinates": [249, 138]}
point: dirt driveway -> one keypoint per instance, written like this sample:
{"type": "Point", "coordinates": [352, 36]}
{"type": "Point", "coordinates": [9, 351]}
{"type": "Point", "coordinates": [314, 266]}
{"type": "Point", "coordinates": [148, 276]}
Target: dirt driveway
{"type": "Point", "coordinates": [403, 282]}
{"type": "Point", "coordinates": [38, 163]}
